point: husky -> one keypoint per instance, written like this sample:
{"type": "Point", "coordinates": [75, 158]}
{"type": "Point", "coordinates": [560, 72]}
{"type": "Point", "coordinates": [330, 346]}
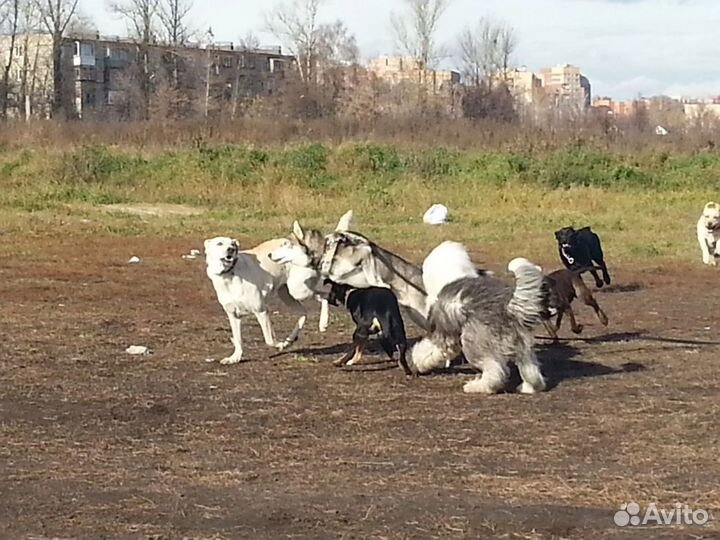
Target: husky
{"type": "Point", "coordinates": [708, 233]}
{"type": "Point", "coordinates": [479, 315]}
{"type": "Point", "coordinates": [351, 259]}
{"type": "Point", "coordinates": [302, 252]}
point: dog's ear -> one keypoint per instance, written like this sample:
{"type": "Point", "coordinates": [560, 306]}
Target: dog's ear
{"type": "Point", "coordinates": [344, 222]}
{"type": "Point", "coordinates": [234, 243]}
{"type": "Point", "coordinates": [298, 231]}
{"type": "Point", "coordinates": [206, 244]}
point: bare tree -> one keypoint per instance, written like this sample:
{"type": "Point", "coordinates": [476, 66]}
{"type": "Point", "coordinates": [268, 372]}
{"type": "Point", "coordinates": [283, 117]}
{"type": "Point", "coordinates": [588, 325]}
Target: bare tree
{"type": "Point", "coordinates": [415, 31]}
{"type": "Point", "coordinates": [317, 46]}
{"type": "Point", "coordinates": [336, 45]}
{"type": "Point", "coordinates": [250, 41]}
{"type": "Point", "coordinates": [174, 16]}
{"type": "Point", "coordinates": [10, 21]}
{"type": "Point", "coordinates": [297, 25]}
{"type": "Point", "coordinates": [142, 19]}
{"type": "Point", "coordinates": [486, 51]}
{"type": "Point", "coordinates": [56, 15]}
{"type": "Point", "coordinates": [82, 25]}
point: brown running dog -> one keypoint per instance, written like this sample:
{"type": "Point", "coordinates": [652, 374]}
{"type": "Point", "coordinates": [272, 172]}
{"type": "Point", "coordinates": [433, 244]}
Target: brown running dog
{"type": "Point", "coordinates": [564, 286]}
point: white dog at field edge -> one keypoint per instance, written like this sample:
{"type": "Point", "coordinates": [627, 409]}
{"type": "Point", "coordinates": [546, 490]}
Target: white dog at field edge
{"type": "Point", "coordinates": [708, 233]}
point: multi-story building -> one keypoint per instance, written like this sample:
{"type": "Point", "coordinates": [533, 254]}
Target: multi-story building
{"type": "Point", "coordinates": [566, 86]}
{"type": "Point", "coordinates": [524, 85]}
{"type": "Point", "coordinates": [399, 69]}
{"type": "Point", "coordinates": [107, 77]}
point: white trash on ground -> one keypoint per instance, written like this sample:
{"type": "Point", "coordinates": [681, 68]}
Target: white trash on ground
{"type": "Point", "coordinates": [437, 214]}
{"type": "Point", "coordinates": [194, 253]}
{"type": "Point", "coordinates": [134, 260]}
{"type": "Point", "coordinates": [137, 349]}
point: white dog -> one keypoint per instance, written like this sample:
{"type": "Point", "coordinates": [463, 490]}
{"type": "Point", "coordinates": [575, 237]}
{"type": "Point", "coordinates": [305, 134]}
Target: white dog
{"type": "Point", "coordinates": [244, 281]}
{"type": "Point", "coordinates": [708, 233]}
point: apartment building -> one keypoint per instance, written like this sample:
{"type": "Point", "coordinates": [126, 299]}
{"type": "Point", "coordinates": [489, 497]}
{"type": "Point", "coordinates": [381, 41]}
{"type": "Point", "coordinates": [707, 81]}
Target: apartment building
{"type": "Point", "coordinates": [524, 85]}
{"type": "Point", "coordinates": [399, 69]}
{"type": "Point", "coordinates": [106, 77]}
{"type": "Point", "coordinates": [566, 86]}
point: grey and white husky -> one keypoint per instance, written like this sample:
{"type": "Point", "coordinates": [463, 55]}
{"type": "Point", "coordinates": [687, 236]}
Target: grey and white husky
{"type": "Point", "coordinates": [352, 259]}
{"type": "Point", "coordinates": [303, 251]}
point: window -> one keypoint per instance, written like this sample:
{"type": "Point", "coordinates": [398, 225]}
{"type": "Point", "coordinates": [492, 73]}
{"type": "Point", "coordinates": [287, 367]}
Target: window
{"type": "Point", "coordinates": [19, 51]}
{"type": "Point", "coordinates": [87, 49]}
{"type": "Point", "coordinates": [226, 61]}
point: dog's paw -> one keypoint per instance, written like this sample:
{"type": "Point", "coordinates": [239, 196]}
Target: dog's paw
{"type": "Point", "coordinates": [478, 386]}
{"type": "Point", "coordinates": [230, 360]}
{"type": "Point", "coordinates": [526, 388]}
{"type": "Point", "coordinates": [578, 329]}
{"type": "Point", "coordinates": [323, 328]}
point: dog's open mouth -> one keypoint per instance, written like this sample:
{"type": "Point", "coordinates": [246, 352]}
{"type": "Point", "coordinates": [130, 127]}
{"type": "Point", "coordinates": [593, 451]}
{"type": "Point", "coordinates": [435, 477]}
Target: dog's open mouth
{"type": "Point", "coordinates": [228, 259]}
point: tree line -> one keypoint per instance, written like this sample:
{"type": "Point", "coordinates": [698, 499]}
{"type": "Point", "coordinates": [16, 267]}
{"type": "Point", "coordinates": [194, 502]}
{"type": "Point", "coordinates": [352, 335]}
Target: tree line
{"type": "Point", "coordinates": [326, 53]}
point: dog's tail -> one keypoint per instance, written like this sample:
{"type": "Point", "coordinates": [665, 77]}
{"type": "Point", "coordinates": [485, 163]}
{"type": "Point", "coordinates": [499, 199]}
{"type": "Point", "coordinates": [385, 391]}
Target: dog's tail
{"type": "Point", "coordinates": [529, 303]}
{"type": "Point", "coordinates": [446, 263]}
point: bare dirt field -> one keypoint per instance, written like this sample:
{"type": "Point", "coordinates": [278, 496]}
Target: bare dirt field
{"type": "Point", "coordinates": [95, 443]}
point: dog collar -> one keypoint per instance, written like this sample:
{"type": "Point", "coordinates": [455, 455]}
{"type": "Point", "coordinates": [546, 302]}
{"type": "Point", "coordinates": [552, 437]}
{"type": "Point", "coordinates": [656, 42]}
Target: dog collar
{"type": "Point", "coordinates": [570, 260]}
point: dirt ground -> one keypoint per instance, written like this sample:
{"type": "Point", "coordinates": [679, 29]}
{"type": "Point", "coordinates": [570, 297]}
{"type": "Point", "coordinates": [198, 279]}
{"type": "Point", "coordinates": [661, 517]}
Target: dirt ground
{"type": "Point", "coordinates": [95, 443]}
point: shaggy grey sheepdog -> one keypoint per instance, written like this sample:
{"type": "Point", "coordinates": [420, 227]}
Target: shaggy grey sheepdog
{"type": "Point", "coordinates": [480, 315]}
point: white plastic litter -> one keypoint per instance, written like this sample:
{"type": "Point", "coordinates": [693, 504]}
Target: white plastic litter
{"type": "Point", "coordinates": [437, 214]}
{"type": "Point", "coordinates": [194, 253]}
{"type": "Point", "coordinates": [134, 260]}
{"type": "Point", "coordinates": [137, 349]}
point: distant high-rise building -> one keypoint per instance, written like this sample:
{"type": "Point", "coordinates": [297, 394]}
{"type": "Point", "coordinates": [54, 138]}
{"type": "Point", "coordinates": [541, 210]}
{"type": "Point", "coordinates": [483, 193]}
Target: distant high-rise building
{"type": "Point", "coordinates": [566, 86]}
{"type": "Point", "coordinates": [524, 85]}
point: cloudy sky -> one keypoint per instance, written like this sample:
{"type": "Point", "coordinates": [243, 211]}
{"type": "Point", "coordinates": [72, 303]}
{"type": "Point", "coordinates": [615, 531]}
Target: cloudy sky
{"type": "Point", "coordinates": [625, 47]}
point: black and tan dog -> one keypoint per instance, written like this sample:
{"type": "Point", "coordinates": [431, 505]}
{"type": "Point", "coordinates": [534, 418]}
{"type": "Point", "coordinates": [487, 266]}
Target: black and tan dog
{"type": "Point", "coordinates": [581, 248]}
{"type": "Point", "coordinates": [563, 287]}
{"type": "Point", "coordinates": [374, 310]}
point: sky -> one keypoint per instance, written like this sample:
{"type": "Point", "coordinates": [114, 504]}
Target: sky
{"type": "Point", "coordinates": [625, 47]}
